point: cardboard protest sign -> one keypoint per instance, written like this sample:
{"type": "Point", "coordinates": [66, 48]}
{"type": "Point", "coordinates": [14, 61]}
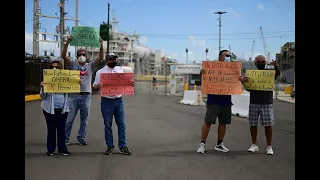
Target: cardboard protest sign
{"type": "Point", "coordinates": [221, 78]}
{"type": "Point", "coordinates": [85, 36]}
{"type": "Point", "coordinates": [116, 84]}
{"type": "Point", "coordinates": [61, 81]}
{"type": "Point", "coordinates": [262, 80]}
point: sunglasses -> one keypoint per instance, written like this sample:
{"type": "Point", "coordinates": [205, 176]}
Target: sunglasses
{"type": "Point", "coordinates": [57, 67]}
{"type": "Point", "coordinates": [261, 62]}
{"type": "Point", "coordinates": [81, 55]}
{"type": "Point", "coordinates": [227, 55]}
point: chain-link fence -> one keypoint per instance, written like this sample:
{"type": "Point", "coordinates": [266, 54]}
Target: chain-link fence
{"type": "Point", "coordinates": [152, 79]}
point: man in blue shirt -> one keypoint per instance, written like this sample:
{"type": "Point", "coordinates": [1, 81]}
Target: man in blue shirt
{"type": "Point", "coordinates": [218, 106]}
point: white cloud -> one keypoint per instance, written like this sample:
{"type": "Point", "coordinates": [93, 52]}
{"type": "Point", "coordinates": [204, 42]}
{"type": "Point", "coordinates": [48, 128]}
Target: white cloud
{"type": "Point", "coordinates": [260, 6]}
{"type": "Point", "coordinates": [233, 13]}
{"type": "Point", "coordinates": [48, 46]}
{"type": "Point", "coordinates": [197, 42]}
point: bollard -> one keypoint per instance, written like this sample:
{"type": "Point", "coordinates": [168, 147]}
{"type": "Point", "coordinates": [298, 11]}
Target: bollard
{"type": "Point", "coordinates": [194, 87]}
{"type": "Point", "coordinates": [186, 88]}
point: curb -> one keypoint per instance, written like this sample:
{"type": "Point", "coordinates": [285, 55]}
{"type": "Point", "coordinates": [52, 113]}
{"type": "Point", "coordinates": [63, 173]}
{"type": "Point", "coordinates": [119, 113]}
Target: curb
{"type": "Point", "coordinates": [32, 97]}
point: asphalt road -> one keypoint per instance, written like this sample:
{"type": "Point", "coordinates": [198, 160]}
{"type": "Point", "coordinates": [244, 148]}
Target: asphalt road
{"type": "Point", "coordinates": [163, 136]}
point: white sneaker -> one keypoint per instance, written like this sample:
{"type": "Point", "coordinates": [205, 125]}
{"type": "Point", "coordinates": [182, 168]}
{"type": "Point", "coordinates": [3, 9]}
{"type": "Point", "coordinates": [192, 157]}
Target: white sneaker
{"type": "Point", "coordinates": [269, 150]}
{"type": "Point", "coordinates": [201, 148]}
{"type": "Point", "coordinates": [221, 148]}
{"type": "Point", "coordinates": [253, 148]}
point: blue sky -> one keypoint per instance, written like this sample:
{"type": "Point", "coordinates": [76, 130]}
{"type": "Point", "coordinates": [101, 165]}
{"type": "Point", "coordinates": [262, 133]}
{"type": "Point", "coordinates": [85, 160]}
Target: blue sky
{"type": "Point", "coordinates": [173, 25]}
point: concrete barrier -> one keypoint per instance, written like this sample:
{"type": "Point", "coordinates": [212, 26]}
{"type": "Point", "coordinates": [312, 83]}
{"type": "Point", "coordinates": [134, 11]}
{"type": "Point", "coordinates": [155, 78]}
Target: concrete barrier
{"type": "Point", "coordinates": [240, 105]}
{"type": "Point", "coordinates": [191, 97]}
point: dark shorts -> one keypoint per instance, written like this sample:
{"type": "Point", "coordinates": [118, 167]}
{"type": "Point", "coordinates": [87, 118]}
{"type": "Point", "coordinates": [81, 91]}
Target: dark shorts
{"type": "Point", "coordinates": [222, 112]}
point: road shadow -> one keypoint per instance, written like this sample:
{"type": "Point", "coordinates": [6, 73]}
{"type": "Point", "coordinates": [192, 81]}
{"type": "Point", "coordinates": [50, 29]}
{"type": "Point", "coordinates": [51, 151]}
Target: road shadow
{"type": "Point", "coordinates": [231, 154]}
{"type": "Point", "coordinates": [56, 154]}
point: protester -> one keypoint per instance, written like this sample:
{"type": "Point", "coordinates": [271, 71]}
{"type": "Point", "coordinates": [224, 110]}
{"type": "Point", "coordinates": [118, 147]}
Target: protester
{"type": "Point", "coordinates": [260, 108]}
{"type": "Point", "coordinates": [80, 101]}
{"type": "Point", "coordinates": [218, 106]}
{"type": "Point", "coordinates": [55, 109]}
{"type": "Point", "coordinates": [112, 106]}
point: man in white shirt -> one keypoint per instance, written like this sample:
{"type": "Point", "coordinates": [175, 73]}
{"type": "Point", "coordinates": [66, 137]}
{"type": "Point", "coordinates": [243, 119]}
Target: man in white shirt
{"type": "Point", "coordinates": [112, 106]}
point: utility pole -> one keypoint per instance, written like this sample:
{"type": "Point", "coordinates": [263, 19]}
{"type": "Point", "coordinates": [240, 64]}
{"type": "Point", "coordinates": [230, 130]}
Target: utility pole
{"type": "Point", "coordinates": [61, 25]}
{"type": "Point", "coordinates": [36, 5]}
{"type": "Point", "coordinates": [76, 23]}
{"type": "Point", "coordinates": [166, 76]}
{"type": "Point", "coordinates": [219, 12]}
{"type": "Point", "coordinates": [108, 33]}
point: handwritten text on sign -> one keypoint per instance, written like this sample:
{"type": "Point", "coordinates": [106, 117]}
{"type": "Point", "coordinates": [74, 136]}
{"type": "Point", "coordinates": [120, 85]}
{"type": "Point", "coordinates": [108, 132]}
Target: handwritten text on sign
{"type": "Point", "coordinates": [85, 36]}
{"type": "Point", "coordinates": [61, 81]}
{"type": "Point", "coordinates": [262, 80]}
{"type": "Point", "coordinates": [221, 78]}
{"type": "Point", "coordinates": [116, 84]}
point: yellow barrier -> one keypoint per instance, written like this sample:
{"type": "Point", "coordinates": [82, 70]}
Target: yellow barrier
{"type": "Point", "coordinates": [31, 97]}
{"type": "Point", "coordinates": [288, 90]}
{"type": "Point", "coordinates": [186, 87]}
{"type": "Point", "coordinates": [195, 87]}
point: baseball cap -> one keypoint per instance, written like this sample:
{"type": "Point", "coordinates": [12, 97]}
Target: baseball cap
{"type": "Point", "coordinates": [111, 55]}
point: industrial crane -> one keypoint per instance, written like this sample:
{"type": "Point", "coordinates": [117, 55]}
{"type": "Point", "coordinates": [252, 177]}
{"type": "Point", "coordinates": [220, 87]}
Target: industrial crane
{"type": "Point", "coordinates": [264, 45]}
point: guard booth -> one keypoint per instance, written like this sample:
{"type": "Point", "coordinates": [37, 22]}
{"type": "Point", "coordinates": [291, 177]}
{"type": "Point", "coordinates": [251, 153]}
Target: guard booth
{"type": "Point", "coordinates": [189, 73]}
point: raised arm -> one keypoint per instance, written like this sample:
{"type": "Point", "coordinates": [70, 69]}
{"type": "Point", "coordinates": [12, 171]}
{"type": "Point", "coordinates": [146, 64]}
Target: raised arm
{"type": "Point", "coordinates": [100, 58]}
{"type": "Point", "coordinates": [64, 52]}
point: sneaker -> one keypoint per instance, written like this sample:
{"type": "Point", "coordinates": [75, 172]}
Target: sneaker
{"type": "Point", "coordinates": [269, 150]}
{"type": "Point", "coordinates": [67, 142]}
{"type": "Point", "coordinates": [82, 142]}
{"type": "Point", "coordinates": [253, 148]}
{"type": "Point", "coordinates": [201, 148]}
{"type": "Point", "coordinates": [125, 150]}
{"type": "Point", "coordinates": [109, 151]}
{"type": "Point", "coordinates": [49, 154]}
{"type": "Point", "coordinates": [65, 153]}
{"type": "Point", "coordinates": [221, 148]}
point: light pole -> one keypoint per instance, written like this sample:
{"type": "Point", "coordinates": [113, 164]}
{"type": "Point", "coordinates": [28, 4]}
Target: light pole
{"type": "Point", "coordinates": [219, 12]}
{"type": "Point", "coordinates": [108, 33]}
{"type": "Point", "coordinates": [186, 55]}
{"type": "Point", "coordinates": [207, 50]}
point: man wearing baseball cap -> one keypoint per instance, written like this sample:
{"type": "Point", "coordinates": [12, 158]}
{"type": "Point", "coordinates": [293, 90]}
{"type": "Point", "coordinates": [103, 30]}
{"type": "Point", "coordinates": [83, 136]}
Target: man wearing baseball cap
{"type": "Point", "coordinates": [112, 106]}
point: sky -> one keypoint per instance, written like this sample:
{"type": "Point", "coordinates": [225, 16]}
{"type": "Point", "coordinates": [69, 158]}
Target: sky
{"type": "Point", "coordinates": [174, 25]}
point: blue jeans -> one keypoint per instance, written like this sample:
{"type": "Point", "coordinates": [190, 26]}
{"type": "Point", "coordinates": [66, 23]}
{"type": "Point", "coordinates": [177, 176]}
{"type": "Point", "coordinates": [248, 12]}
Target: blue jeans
{"type": "Point", "coordinates": [110, 108]}
{"type": "Point", "coordinates": [77, 102]}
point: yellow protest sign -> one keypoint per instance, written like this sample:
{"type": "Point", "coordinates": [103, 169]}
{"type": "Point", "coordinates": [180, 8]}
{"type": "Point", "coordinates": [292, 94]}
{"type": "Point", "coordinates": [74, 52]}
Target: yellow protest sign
{"type": "Point", "coordinates": [262, 80]}
{"type": "Point", "coordinates": [61, 81]}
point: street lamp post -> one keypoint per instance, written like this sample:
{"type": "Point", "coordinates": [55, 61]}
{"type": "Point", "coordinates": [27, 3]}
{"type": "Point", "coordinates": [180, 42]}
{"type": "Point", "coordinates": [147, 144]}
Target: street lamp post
{"type": "Point", "coordinates": [207, 50]}
{"type": "Point", "coordinates": [187, 55]}
{"type": "Point", "coordinates": [219, 12]}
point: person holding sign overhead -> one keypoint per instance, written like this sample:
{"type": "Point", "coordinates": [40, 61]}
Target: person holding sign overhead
{"type": "Point", "coordinates": [112, 105]}
{"type": "Point", "coordinates": [218, 106]}
{"type": "Point", "coordinates": [80, 101]}
{"type": "Point", "coordinates": [55, 109]}
{"type": "Point", "coordinates": [260, 107]}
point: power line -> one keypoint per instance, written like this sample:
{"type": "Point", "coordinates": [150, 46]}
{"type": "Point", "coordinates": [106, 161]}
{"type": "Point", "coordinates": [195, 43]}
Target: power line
{"type": "Point", "coordinates": [270, 32]}
{"type": "Point", "coordinates": [182, 38]}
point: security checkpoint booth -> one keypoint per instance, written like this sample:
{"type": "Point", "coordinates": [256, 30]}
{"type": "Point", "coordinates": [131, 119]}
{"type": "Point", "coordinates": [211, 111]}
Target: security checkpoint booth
{"type": "Point", "coordinates": [188, 74]}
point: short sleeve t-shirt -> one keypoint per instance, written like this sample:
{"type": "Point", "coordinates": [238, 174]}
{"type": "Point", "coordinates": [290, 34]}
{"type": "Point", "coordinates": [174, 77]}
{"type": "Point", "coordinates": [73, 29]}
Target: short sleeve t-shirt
{"type": "Point", "coordinates": [86, 72]}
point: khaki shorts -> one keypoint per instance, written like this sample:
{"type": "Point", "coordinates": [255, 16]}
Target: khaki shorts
{"type": "Point", "coordinates": [222, 112]}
